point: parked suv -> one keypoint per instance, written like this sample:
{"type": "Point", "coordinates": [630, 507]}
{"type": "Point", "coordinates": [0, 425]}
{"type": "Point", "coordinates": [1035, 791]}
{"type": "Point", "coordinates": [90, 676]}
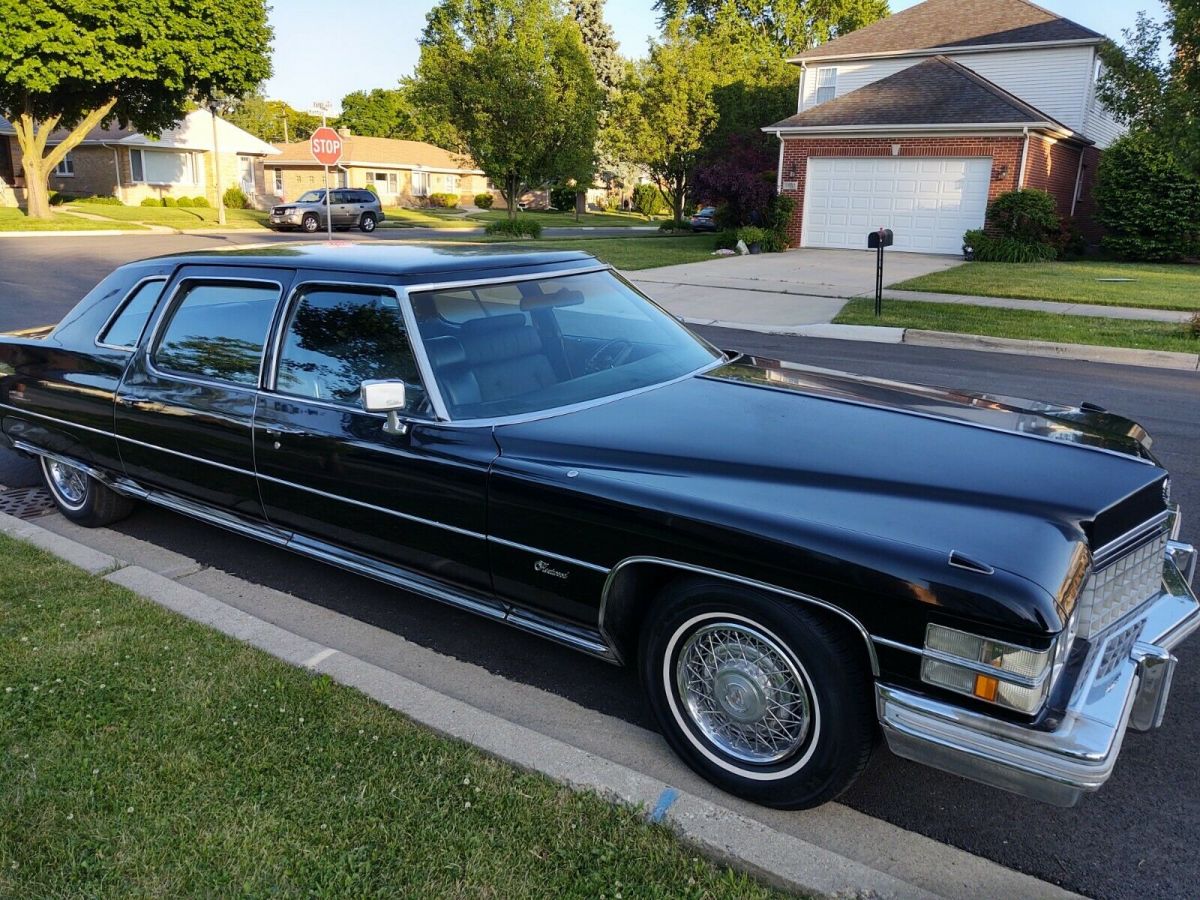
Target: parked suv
{"type": "Point", "coordinates": [348, 207]}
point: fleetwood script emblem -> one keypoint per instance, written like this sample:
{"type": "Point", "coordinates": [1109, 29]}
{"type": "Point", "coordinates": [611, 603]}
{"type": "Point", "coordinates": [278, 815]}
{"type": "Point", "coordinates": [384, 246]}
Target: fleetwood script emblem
{"type": "Point", "coordinates": [546, 569]}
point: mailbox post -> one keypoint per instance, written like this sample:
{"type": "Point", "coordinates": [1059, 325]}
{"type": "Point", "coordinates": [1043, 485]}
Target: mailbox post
{"type": "Point", "coordinates": [876, 241]}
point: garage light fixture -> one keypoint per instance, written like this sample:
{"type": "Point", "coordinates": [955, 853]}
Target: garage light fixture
{"type": "Point", "coordinates": [895, 149]}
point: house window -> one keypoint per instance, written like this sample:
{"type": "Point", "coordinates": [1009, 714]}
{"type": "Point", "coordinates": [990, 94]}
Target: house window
{"type": "Point", "coordinates": [826, 84]}
{"type": "Point", "coordinates": [65, 167]}
{"type": "Point", "coordinates": [452, 184]}
{"type": "Point", "coordinates": [279, 181]}
{"type": "Point", "coordinates": [162, 167]}
{"type": "Point", "coordinates": [420, 184]}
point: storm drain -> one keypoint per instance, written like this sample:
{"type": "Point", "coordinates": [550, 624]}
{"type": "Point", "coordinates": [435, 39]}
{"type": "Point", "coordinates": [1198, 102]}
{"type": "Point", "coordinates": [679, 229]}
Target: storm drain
{"type": "Point", "coordinates": [25, 503]}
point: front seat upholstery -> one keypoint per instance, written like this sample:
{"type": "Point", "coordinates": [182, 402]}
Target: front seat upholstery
{"type": "Point", "coordinates": [504, 353]}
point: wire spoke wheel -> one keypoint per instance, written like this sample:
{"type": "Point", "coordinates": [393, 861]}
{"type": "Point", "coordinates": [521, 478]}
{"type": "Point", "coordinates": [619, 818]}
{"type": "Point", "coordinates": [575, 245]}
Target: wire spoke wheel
{"type": "Point", "coordinates": [744, 692]}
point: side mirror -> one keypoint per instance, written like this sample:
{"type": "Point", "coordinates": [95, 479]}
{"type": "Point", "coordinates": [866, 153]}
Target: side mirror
{"type": "Point", "coordinates": [386, 397]}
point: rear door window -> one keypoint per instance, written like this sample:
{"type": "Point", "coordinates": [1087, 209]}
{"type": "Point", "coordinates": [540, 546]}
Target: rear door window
{"type": "Point", "coordinates": [217, 330]}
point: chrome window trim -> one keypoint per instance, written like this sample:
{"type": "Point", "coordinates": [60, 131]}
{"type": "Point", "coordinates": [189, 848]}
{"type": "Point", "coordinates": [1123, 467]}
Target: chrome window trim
{"type": "Point", "coordinates": [550, 412]}
{"type": "Point", "coordinates": [736, 579]}
{"type": "Point", "coordinates": [151, 345]}
{"type": "Point", "coordinates": [120, 308]}
{"type": "Point", "coordinates": [271, 379]}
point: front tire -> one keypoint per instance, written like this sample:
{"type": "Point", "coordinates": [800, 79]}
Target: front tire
{"type": "Point", "coordinates": [80, 497]}
{"type": "Point", "coordinates": [310, 223]}
{"type": "Point", "coordinates": [759, 695]}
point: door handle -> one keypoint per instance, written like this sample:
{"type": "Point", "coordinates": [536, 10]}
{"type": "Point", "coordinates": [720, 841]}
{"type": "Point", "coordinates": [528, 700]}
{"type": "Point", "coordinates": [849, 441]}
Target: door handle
{"type": "Point", "coordinates": [281, 430]}
{"type": "Point", "coordinates": [134, 401]}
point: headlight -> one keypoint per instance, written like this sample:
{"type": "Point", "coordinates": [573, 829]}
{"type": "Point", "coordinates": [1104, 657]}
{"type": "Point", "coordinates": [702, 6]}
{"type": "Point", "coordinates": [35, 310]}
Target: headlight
{"type": "Point", "coordinates": [994, 671]}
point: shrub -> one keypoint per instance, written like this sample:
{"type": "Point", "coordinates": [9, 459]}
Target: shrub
{"type": "Point", "coordinates": [649, 200]}
{"type": "Point", "coordinates": [779, 217]}
{"type": "Point", "coordinates": [443, 201]}
{"type": "Point", "coordinates": [522, 226]}
{"type": "Point", "coordinates": [169, 201]}
{"type": "Point", "coordinates": [99, 199]}
{"type": "Point", "coordinates": [726, 240]}
{"type": "Point", "coordinates": [57, 199]}
{"type": "Point", "coordinates": [1068, 241]}
{"type": "Point", "coordinates": [1026, 215]}
{"type": "Point", "coordinates": [484, 200]}
{"type": "Point", "coordinates": [990, 248]}
{"type": "Point", "coordinates": [185, 202]}
{"type": "Point", "coordinates": [563, 198]}
{"type": "Point", "coordinates": [371, 187]}
{"type": "Point", "coordinates": [1148, 203]}
{"type": "Point", "coordinates": [672, 225]}
{"type": "Point", "coordinates": [200, 202]}
{"type": "Point", "coordinates": [235, 198]}
{"type": "Point", "coordinates": [752, 235]}
{"type": "Point", "coordinates": [151, 201]}
{"type": "Point", "coordinates": [1192, 326]}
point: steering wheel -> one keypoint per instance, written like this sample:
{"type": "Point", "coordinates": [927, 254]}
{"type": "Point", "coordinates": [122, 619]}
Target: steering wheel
{"type": "Point", "coordinates": [609, 355]}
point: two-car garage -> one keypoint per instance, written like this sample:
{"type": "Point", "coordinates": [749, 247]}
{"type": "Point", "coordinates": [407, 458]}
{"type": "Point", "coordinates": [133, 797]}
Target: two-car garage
{"type": "Point", "coordinates": [928, 202]}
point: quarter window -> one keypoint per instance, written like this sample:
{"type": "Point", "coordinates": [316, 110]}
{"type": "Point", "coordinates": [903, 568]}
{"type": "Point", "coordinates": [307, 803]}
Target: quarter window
{"type": "Point", "coordinates": [338, 337]}
{"type": "Point", "coordinates": [826, 84]}
{"type": "Point", "coordinates": [126, 329]}
{"type": "Point", "coordinates": [217, 331]}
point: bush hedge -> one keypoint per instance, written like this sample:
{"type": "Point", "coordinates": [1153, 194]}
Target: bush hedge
{"type": "Point", "coordinates": [649, 200]}
{"type": "Point", "coordinates": [200, 202]}
{"type": "Point", "coordinates": [235, 198]}
{"type": "Point", "coordinates": [443, 201]}
{"type": "Point", "coordinates": [1147, 202]}
{"type": "Point", "coordinates": [170, 201]}
{"type": "Point", "coordinates": [184, 202]}
{"type": "Point", "coordinates": [99, 199]}
{"type": "Point", "coordinates": [484, 201]}
{"type": "Point", "coordinates": [991, 248]}
{"type": "Point", "coordinates": [672, 225]}
{"type": "Point", "coordinates": [563, 198]}
{"type": "Point", "coordinates": [150, 201]}
{"type": "Point", "coordinates": [1022, 226]}
{"type": "Point", "coordinates": [522, 226]}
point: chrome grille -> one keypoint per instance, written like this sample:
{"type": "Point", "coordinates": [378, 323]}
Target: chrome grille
{"type": "Point", "coordinates": [1121, 587]}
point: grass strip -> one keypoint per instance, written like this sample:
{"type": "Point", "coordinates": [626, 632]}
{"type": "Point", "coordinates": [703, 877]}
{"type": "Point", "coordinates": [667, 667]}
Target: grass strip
{"type": "Point", "coordinates": [1157, 286]}
{"type": "Point", "coordinates": [173, 216]}
{"type": "Point", "coordinates": [12, 219]}
{"type": "Point", "coordinates": [145, 755]}
{"type": "Point", "coordinates": [633, 252]}
{"type": "Point", "coordinates": [1021, 324]}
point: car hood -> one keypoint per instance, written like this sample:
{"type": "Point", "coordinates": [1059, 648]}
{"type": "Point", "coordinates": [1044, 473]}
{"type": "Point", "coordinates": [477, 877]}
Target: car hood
{"type": "Point", "coordinates": [1008, 483]}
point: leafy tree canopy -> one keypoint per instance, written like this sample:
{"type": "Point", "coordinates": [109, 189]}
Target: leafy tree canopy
{"type": "Point", "coordinates": [1154, 92]}
{"type": "Point", "coordinates": [790, 25]}
{"type": "Point", "coordinates": [273, 121]}
{"type": "Point", "coordinates": [514, 78]}
{"type": "Point", "coordinates": [75, 64]}
{"type": "Point", "coordinates": [392, 113]}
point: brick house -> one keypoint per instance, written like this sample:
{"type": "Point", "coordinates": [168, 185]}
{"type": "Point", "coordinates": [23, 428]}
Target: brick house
{"type": "Point", "coordinates": [916, 122]}
{"type": "Point", "coordinates": [402, 173]}
{"type": "Point", "coordinates": [131, 166]}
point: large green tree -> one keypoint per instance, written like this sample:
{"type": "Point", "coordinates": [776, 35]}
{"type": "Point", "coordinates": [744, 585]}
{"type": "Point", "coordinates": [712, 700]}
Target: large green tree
{"type": "Point", "coordinates": [665, 112]}
{"type": "Point", "coordinates": [392, 113]}
{"type": "Point", "coordinates": [514, 78]}
{"type": "Point", "coordinates": [272, 120]}
{"type": "Point", "coordinates": [75, 64]}
{"type": "Point", "coordinates": [1156, 93]}
{"type": "Point", "coordinates": [790, 25]}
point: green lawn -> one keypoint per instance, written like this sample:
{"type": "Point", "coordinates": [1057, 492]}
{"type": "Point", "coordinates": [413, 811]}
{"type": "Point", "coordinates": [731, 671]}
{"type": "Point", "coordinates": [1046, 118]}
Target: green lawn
{"type": "Point", "coordinates": [1021, 324]}
{"type": "Point", "coordinates": [567, 219]}
{"type": "Point", "coordinates": [402, 217]}
{"type": "Point", "coordinates": [644, 252]}
{"type": "Point", "coordinates": [142, 755]}
{"type": "Point", "coordinates": [15, 220]}
{"type": "Point", "coordinates": [1162, 286]}
{"type": "Point", "coordinates": [173, 216]}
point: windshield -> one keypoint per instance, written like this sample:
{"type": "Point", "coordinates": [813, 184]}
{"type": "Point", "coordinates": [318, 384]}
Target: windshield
{"type": "Point", "coordinates": [312, 197]}
{"type": "Point", "coordinates": [528, 346]}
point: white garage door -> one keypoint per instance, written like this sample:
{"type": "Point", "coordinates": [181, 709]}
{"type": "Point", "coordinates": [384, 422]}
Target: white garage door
{"type": "Point", "coordinates": [928, 203]}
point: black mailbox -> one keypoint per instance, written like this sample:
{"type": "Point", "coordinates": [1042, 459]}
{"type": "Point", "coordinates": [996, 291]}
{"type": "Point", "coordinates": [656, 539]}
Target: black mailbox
{"type": "Point", "coordinates": [880, 238]}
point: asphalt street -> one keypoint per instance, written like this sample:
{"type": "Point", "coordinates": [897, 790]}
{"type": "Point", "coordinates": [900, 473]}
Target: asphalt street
{"type": "Point", "coordinates": [1135, 838]}
{"type": "Point", "coordinates": [41, 278]}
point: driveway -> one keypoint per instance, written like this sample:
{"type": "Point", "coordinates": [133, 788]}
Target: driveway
{"type": "Point", "coordinates": [799, 287]}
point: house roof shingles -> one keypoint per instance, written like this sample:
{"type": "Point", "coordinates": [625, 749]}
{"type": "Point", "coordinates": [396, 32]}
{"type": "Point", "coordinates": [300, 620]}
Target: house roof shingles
{"type": "Point", "coordinates": [939, 24]}
{"type": "Point", "coordinates": [937, 91]}
{"type": "Point", "coordinates": [375, 151]}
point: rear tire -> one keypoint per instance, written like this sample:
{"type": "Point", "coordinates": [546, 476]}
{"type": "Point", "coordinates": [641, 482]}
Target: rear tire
{"type": "Point", "coordinates": [367, 223]}
{"type": "Point", "coordinates": [81, 498]}
{"type": "Point", "coordinates": [759, 695]}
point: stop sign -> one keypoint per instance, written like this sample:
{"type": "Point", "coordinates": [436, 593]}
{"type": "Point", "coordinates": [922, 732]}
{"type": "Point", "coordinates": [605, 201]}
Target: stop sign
{"type": "Point", "coordinates": [326, 146]}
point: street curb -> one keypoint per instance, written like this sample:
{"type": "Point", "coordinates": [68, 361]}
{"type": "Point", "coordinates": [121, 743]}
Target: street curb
{"type": "Point", "coordinates": [779, 859]}
{"type": "Point", "coordinates": [98, 232]}
{"type": "Point", "coordinates": [1125, 356]}
{"type": "Point", "coordinates": [867, 333]}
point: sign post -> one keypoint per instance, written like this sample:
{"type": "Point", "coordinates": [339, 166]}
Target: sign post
{"type": "Point", "coordinates": [326, 148]}
{"type": "Point", "coordinates": [876, 241]}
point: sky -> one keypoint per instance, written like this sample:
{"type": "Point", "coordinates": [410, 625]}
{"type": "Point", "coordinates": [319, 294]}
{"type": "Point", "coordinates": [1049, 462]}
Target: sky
{"type": "Point", "coordinates": [374, 42]}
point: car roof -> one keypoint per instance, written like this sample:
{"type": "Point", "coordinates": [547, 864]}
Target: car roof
{"type": "Point", "coordinates": [379, 257]}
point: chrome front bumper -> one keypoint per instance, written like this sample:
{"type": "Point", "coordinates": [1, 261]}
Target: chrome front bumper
{"type": "Point", "coordinates": [1124, 683]}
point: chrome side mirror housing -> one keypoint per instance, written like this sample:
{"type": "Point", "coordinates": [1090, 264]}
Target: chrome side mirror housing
{"type": "Point", "coordinates": [386, 396]}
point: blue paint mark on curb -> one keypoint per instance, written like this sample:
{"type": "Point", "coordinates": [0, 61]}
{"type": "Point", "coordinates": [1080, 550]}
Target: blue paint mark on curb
{"type": "Point", "coordinates": [665, 800]}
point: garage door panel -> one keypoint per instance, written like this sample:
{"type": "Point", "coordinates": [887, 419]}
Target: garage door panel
{"type": "Point", "coordinates": [928, 203]}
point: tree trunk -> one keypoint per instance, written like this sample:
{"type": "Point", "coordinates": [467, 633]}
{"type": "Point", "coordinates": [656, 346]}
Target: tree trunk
{"type": "Point", "coordinates": [677, 203]}
{"type": "Point", "coordinates": [37, 191]}
{"type": "Point", "coordinates": [514, 185]}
